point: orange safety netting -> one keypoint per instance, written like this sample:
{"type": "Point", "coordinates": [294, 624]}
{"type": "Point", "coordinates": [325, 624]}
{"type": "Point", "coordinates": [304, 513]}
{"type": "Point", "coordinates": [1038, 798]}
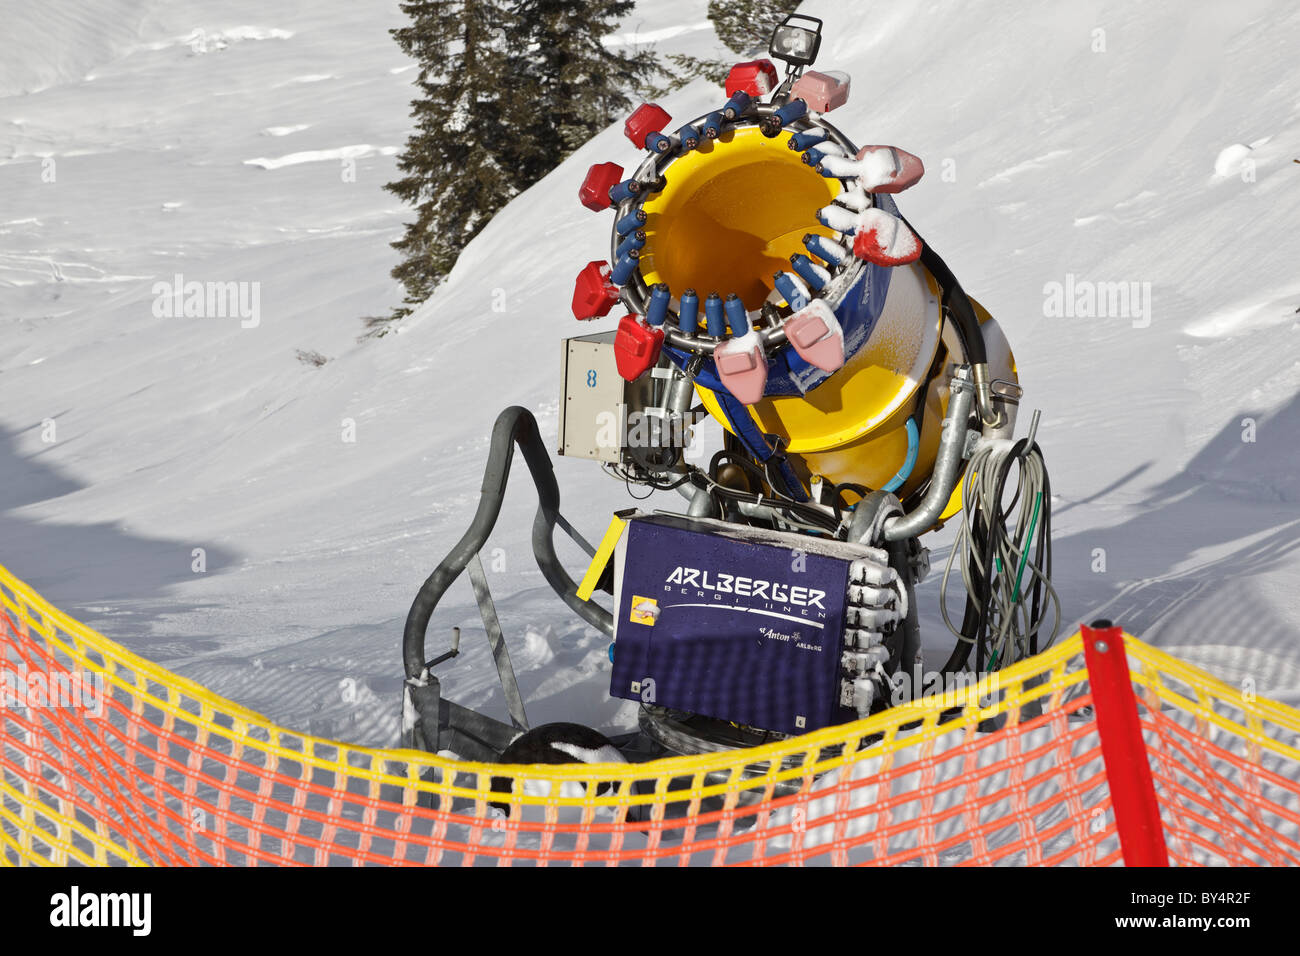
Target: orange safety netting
{"type": "Point", "coordinates": [1226, 768]}
{"type": "Point", "coordinates": [106, 758]}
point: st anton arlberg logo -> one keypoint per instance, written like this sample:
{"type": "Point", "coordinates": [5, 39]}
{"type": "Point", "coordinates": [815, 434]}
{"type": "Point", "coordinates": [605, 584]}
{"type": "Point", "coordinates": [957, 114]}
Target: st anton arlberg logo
{"type": "Point", "coordinates": [76, 909]}
{"type": "Point", "coordinates": [772, 591]}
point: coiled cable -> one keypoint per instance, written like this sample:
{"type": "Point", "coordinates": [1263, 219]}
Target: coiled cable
{"type": "Point", "coordinates": [1006, 558]}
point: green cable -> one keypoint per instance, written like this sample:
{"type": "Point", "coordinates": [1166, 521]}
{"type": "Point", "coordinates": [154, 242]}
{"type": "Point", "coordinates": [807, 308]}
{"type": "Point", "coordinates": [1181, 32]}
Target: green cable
{"type": "Point", "coordinates": [1020, 573]}
{"type": "Point", "coordinates": [1024, 557]}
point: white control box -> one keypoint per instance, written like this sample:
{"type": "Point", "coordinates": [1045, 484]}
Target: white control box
{"type": "Point", "coordinates": [593, 398]}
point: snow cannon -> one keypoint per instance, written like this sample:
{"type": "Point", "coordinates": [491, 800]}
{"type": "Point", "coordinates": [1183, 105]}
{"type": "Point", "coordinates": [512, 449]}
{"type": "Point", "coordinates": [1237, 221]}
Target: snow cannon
{"type": "Point", "coordinates": [844, 323]}
{"type": "Point", "coordinates": [767, 279]}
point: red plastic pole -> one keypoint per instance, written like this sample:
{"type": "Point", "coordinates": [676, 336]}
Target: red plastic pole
{"type": "Point", "coordinates": [1132, 793]}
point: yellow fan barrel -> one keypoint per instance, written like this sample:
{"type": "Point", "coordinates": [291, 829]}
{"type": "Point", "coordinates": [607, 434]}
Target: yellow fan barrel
{"type": "Point", "coordinates": [731, 215]}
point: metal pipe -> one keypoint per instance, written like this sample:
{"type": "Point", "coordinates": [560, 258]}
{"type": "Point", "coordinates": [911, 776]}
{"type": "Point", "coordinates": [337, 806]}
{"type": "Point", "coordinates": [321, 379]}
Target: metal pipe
{"type": "Point", "coordinates": [990, 415]}
{"type": "Point", "coordinates": [702, 504]}
{"type": "Point", "coordinates": [947, 466]}
{"type": "Point", "coordinates": [681, 390]}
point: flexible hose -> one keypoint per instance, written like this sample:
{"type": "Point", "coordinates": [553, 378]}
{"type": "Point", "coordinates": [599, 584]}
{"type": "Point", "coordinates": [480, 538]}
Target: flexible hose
{"type": "Point", "coordinates": [965, 320]}
{"type": "Point", "coordinates": [514, 426]}
{"type": "Point", "coordinates": [913, 450]}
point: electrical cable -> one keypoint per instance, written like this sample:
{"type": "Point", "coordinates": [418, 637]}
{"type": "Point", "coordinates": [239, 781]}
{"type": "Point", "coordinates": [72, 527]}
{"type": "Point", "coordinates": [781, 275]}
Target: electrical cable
{"type": "Point", "coordinates": [799, 512]}
{"type": "Point", "coordinates": [1005, 564]}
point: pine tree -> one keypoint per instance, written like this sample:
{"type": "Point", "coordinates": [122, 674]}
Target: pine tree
{"type": "Point", "coordinates": [508, 89]}
{"type": "Point", "coordinates": [577, 85]}
{"type": "Point", "coordinates": [459, 163]}
{"type": "Point", "coordinates": [745, 26]}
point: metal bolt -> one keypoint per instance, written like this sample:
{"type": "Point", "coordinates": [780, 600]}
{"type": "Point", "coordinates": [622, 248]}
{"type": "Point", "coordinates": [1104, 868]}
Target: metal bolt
{"type": "Point", "coordinates": [1102, 647]}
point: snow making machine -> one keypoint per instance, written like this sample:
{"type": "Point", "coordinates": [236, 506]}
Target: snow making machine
{"type": "Point", "coordinates": [768, 281]}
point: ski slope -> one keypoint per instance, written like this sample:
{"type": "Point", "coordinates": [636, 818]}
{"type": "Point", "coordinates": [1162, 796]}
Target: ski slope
{"type": "Point", "coordinates": [230, 141]}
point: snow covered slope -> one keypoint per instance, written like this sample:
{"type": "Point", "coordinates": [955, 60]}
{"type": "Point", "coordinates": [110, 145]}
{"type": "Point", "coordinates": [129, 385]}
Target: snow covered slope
{"type": "Point", "coordinates": [235, 142]}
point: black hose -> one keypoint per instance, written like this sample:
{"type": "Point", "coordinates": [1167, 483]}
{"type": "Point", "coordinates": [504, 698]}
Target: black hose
{"type": "Point", "coordinates": [804, 512]}
{"type": "Point", "coordinates": [754, 471]}
{"type": "Point", "coordinates": [1042, 557]}
{"type": "Point", "coordinates": [740, 461]}
{"type": "Point", "coordinates": [837, 491]}
{"type": "Point", "coordinates": [955, 300]}
{"type": "Point", "coordinates": [514, 426]}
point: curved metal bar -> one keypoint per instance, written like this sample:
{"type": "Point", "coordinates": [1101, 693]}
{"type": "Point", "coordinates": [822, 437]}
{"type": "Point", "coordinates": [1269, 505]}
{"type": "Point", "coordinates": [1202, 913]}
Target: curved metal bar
{"type": "Point", "coordinates": [514, 426]}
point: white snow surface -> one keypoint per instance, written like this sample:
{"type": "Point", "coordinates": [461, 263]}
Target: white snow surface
{"type": "Point", "coordinates": [128, 130]}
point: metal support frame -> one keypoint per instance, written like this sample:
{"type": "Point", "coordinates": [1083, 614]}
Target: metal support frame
{"type": "Point", "coordinates": [437, 723]}
{"type": "Point", "coordinates": [487, 609]}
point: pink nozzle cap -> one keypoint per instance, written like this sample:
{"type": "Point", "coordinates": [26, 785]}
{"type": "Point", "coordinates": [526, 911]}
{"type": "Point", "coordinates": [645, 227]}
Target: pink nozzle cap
{"type": "Point", "coordinates": [822, 92]}
{"type": "Point", "coordinates": [816, 335]}
{"type": "Point", "coordinates": [907, 169]}
{"type": "Point", "coordinates": [742, 368]}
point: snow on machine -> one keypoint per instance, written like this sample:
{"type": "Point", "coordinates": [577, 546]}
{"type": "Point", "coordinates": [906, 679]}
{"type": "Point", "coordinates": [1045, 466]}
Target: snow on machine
{"type": "Point", "coordinates": [768, 281]}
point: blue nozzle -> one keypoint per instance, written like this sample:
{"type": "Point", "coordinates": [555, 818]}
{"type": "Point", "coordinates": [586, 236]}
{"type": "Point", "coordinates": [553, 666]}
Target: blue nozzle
{"type": "Point", "coordinates": [631, 222]}
{"type": "Point", "coordinates": [824, 248]}
{"type": "Point", "coordinates": [736, 316]}
{"type": "Point", "coordinates": [715, 318]}
{"type": "Point", "coordinates": [635, 240]}
{"type": "Point", "coordinates": [712, 127]}
{"type": "Point", "coordinates": [657, 311]}
{"type": "Point", "coordinates": [809, 271]}
{"type": "Point", "coordinates": [774, 122]}
{"type": "Point", "coordinates": [688, 312]}
{"type": "Point", "coordinates": [801, 141]}
{"type": "Point", "coordinates": [843, 226]}
{"type": "Point", "coordinates": [689, 136]}
{"type": "Point", "coordinates": [792, 290]}
{"type": "Point", "coordinates": [791, 111]}
{"type": "Point", "coordinates": [658, 143]}
{"type": "Point", "coordinates": [737, 105]}
{"type": "Point", "coordinates": [623, 270]}
{"type": "Point", "coordinates": [624, 190]}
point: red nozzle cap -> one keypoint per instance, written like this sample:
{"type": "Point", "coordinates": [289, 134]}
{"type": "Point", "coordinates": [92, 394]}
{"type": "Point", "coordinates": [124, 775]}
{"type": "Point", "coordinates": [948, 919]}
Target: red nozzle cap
{"type": "Point", "coordinates": [593, 294]}
{"type": "Point", "coordinates": [885, 240]}
{"type": "Point", "coordinates": [594, 191]}
{"type": "Point", "coordinates": [755, 77]}
{"type": "Point", "coordinates": [636, 347]}
{"type": "Point", "coordinates": [645, 119]}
